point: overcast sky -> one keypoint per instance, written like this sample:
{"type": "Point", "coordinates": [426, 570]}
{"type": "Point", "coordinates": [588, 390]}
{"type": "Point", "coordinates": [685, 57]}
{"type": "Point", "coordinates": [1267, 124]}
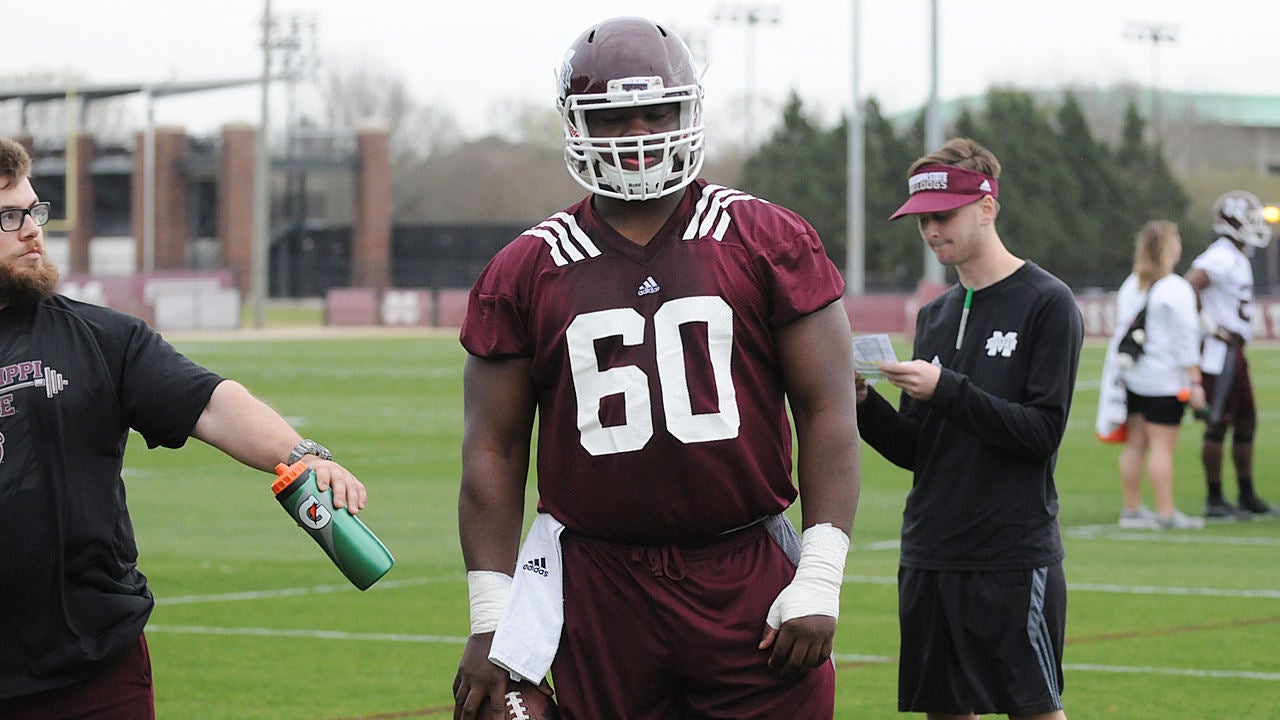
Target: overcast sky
{"type": "Point", "coordinates": [475, 57]}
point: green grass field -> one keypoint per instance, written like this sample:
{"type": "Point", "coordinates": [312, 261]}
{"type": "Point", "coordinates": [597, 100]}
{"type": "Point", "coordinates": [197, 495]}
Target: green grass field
{"type": "Point", "coordinates": [253, 621]}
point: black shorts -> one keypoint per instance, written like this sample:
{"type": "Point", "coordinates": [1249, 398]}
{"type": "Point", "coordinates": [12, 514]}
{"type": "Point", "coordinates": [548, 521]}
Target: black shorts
{"type": "Point", "coordinates": [981, 642]}
{"type": "Point", "coordinates": [1161, 410]}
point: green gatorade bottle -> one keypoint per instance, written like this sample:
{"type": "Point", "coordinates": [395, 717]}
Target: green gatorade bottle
{"type": "Point", "coordinates": [352, 546]}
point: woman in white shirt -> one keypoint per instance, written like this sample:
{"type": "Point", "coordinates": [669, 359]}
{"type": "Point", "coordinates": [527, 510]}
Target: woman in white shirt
{"type": "Point", "coordinates": [1164, 379]}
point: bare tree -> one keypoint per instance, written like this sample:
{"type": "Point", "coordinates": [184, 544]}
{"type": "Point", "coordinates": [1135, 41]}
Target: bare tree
{"type": "Point", "coordinates": [352, 94]}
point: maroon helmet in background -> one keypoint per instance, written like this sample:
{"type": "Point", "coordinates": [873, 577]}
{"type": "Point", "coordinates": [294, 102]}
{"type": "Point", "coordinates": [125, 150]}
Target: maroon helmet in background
{"type": "Point", "coordinates": [1239, 215]}
{"type": "Point", "coordinates": [622, 63]}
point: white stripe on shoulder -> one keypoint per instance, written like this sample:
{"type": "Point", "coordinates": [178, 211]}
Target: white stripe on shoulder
{"type": "Point", "coordinates": [565, 238]}
{"type": "Point", "coordinates": [711, 216]}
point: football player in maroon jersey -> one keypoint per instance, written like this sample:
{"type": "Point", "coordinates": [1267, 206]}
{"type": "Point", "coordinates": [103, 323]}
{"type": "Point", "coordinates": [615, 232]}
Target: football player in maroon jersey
{"type": "Point", "coordinates": [659, 330]}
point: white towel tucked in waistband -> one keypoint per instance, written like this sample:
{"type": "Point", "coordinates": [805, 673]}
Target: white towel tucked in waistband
{"type": "Point", "coordinates": [528, 633]}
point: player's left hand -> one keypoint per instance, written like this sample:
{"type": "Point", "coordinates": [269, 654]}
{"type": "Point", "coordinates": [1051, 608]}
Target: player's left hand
{"type": "Point", "coordinates": [1197, 399]}
{"type": "Point", "coordinates": [348, 492]}
{"type": "Point", "coordinates": [801, 645]}
{"type": "Point", "coordinates": [916, 378]}
{"type": "Point", "coordinates": [860, 387]}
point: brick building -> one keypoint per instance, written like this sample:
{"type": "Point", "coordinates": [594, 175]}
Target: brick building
{"type": "Point", "coordinates": [190, 210]}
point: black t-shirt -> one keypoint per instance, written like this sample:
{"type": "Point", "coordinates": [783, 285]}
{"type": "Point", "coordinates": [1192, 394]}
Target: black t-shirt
{"type": "Point", "coordinates": [74, 379]}
{"type": "Point", "coordinates": [983, 448]}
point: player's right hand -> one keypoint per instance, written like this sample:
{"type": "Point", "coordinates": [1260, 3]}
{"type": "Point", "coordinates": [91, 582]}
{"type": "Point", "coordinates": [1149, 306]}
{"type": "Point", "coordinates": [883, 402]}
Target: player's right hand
{"type": "Point", "coordinates": [480, 686]}
{"type": "Point", "coordinates": [918, 378]}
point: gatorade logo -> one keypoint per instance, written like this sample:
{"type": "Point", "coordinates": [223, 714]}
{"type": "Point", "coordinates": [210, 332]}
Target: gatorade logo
{"type": "Point", "coordinates": [313, 513]}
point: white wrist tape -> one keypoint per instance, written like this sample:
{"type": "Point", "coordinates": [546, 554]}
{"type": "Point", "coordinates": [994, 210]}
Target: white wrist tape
{"type": "Point", "coordinates": [815, 590]}
{"type": "Point", "coordinates": [489, 592]}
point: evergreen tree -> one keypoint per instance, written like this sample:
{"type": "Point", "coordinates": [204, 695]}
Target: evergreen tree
{"type": "Point", "coordinates": [1153, 191]}
{"type": "Point", "coordinates": [1036, 188]}
{"type": "Point", "coordinates": [1068, 202]}
{"type": "Point", "coordinates": [1099, 219]}
{"type": "Point", "coordinates": [894, 253]}
{"type": "Point", "coordinates": [802, 167]}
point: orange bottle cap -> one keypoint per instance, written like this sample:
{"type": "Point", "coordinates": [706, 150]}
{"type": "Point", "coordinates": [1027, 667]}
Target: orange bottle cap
{"type": "Point", "coordinates": [286, 474]}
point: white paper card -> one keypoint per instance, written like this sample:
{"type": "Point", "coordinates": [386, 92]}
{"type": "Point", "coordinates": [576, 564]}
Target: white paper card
{"type": "Point", "coordinates": [869, 350]}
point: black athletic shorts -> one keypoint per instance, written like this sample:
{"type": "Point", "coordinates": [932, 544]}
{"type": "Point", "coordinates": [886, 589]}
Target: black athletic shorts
{"type": "Point", "coordinates": [1160, 410]}
{"type": "Point", "coordinates": [981, 642]}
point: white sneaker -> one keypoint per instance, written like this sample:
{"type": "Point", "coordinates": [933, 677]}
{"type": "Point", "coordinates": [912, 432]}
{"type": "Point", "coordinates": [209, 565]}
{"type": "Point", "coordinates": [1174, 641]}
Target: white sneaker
{"type": "Point", "coordinates": [1140, 519]}
{"type": "Point", "coordinates": [1180, 522]}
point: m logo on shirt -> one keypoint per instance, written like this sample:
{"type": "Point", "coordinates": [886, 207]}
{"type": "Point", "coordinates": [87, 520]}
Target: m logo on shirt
{"type": "Point", "coordinates": [1002, 344]}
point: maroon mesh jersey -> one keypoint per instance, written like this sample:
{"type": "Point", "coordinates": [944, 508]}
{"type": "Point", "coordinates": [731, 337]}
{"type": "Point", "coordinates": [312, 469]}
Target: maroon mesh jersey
{"type": "Point", "coordinates": [660, 401]}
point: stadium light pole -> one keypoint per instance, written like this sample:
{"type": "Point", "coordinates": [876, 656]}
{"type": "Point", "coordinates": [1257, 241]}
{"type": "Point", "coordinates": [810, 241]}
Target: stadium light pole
{"type": "Point", "coordinates": [149, 186]}
{"type": "Point", "coordinates": [261, 183]}
{"type": "Point", "coordinates": [1154, 33]}
{"type": "Point", "coordinates": [933, 271]}
{"type": "Point", "coordinates": [750, 16]}
{"type": "Point", "coordinates": [855, 200]}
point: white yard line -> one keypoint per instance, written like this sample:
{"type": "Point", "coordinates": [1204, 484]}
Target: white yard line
{"type": "Point", "coordinates": [839, 657]}
{"type": "Point", "coordinates": [291, 592]}
{"type": "Point", "coordinates": [1184, 672]}
{"type": "Point", "coordinates": [308, 634]}
{"type": "Point", "coordinates": [1110, 533]}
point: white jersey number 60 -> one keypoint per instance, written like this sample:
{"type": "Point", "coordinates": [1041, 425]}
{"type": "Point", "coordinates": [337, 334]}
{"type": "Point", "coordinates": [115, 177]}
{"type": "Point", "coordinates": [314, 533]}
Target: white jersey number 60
{"type": "Point", "coordinates": [592, 384]}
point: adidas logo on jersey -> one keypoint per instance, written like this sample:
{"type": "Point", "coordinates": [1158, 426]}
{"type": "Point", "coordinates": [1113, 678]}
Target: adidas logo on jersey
{"type": "Point", "coordinates": [648, 287]}
{"type": "Point", "coordinates": [537, 565]}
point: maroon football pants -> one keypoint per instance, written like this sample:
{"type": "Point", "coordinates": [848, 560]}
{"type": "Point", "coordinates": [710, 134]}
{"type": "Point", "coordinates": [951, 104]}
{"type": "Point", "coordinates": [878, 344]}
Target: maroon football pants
{"type": "Point", "coordinates": [122, 691]}
{"type": "Point", "coordinates": [671, 632]}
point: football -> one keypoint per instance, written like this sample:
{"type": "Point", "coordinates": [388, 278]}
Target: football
{"type": "Point", "coordinates": [526, 702]}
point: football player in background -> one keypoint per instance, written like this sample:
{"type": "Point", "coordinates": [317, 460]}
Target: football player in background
{"type": "Point", "coordinates": [983, 408]}
{"type": "Point", "coordinates": [659, 330]}
{"type": "Point", "coordinates": [1223, 279]}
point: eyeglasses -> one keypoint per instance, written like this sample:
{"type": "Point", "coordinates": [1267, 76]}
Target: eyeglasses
{"type": "Point", "coordinates": [11, 220]}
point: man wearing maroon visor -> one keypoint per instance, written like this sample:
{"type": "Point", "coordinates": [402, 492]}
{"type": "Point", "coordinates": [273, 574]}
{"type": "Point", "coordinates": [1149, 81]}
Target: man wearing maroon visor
{"type": "Point", "coordinates": [938, 188]}
{"type": "Point", "coordinates": [983, 408]}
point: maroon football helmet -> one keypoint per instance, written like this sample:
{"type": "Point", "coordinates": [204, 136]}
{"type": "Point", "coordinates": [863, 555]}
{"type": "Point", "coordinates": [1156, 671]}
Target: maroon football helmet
{"type": "Point", "coordinates": [622, 63]}
{"type": "Point", "coordinates": [1239, 215]}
